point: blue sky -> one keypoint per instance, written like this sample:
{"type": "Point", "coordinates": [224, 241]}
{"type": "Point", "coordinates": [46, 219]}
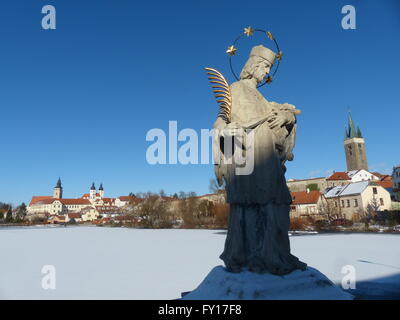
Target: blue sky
{"type": "Point", "coordinates": [77, 101]}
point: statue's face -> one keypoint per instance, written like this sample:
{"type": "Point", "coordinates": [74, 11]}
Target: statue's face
{"type": "Point", "coordinates": [261, 69]}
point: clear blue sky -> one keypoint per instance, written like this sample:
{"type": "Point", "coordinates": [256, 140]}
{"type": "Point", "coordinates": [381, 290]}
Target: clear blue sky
{"type": "Point", "coordinates": [77, 101]}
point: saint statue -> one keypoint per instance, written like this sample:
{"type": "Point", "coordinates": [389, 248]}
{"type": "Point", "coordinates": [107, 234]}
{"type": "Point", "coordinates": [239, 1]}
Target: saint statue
{"type": "Point", "coordinates": [259, 200]}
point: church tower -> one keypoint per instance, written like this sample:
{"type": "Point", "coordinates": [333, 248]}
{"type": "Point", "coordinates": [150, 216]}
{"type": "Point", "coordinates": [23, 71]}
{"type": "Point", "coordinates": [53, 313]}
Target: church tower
{"type": "Point", "coordinates": [354, 147]}
{"type": "Point", "coordinates": [92, 192]}
{"type": "Point", "coordinates": [58, 190]}
{"type": "Point", "coordinates": [101, 190]}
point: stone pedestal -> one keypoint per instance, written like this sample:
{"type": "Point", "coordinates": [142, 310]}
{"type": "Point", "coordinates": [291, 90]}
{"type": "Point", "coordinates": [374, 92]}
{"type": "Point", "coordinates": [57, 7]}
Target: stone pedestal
{"type": "Point", "coordinates": [297, 285]}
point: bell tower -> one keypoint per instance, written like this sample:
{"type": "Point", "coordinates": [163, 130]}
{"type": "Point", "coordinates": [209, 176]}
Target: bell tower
{"type": "Point", "coordinates": [101, 190]}
{"type": "Point", "coordinates": [92, 192]}
{"type": "Point", "coordinates": [354, 147]}
{"type": "Point", "coordinates": [58, 190]}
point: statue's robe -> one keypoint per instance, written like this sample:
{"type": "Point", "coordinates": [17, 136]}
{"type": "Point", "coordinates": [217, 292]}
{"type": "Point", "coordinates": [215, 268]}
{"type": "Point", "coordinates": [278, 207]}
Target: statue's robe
{"type": "Point", "coordinates": [259, 202]}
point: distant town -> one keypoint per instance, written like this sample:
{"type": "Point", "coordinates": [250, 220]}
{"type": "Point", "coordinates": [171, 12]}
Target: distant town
{"type": "Point", "coordinates": [355, 196]}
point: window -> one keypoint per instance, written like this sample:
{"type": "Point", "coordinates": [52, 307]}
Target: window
{"type": "Point", "coordinates": [381, 201]}
{"type": "Point", "coordinates": [355, 202]}
{"type": "Point", "coordinates": [342, 203]}
{"type": "Point", "coordinates": [348, 203]}
{"type": "Point", "coordinates": [336, 204]}
{"type": "Point", "coordinates": [375, 190]}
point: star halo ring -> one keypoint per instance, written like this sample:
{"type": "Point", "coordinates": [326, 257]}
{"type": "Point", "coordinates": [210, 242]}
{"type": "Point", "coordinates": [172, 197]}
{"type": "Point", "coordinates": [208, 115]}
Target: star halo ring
{"type": "Point", "coordinates": [248, 32]}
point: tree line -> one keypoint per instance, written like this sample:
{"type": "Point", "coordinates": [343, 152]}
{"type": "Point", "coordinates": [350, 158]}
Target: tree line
{"type": "Point", "coordinates": [8, 214]}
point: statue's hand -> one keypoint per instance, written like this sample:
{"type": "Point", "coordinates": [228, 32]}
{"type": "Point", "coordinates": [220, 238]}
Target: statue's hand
{"type": "Point", "coordinates": [278, 121]}
{"type": "Point", "coordinates": [232, 129]}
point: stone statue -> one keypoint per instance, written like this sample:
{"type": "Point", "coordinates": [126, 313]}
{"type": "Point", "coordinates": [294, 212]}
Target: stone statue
{"type": "Point", "coordinates": [257, 237]}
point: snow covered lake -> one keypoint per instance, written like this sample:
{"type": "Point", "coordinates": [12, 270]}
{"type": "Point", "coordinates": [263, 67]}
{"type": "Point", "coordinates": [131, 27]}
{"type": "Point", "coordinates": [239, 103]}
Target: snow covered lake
{"type": "Point", "coordinates": [121, 263]}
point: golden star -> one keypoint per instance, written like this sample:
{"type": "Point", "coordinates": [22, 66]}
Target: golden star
{"type": "Point", "coordinates": [249, 31]}
{"type": "Point", "coordinates": [279, 55]}
{"type": "Point", "coordinates": [269, 79]}
{"type": "Point", "coordinates": [270, 36]}
{"type": "Point", "coordinates": [231, 50]}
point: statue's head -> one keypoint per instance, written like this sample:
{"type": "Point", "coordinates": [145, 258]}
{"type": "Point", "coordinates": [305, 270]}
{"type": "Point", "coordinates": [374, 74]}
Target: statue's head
{"type": "Point", "coordinates": [259, 63]}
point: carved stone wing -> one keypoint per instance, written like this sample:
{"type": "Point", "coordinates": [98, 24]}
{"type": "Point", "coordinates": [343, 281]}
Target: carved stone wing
{"type": "Point", "coordinates": [222, 93]}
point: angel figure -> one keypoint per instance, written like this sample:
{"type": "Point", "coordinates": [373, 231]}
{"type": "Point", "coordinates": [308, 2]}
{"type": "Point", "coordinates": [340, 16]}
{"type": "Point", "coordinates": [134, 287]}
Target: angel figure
{"type": "Point", "coordinates": [257, 238]}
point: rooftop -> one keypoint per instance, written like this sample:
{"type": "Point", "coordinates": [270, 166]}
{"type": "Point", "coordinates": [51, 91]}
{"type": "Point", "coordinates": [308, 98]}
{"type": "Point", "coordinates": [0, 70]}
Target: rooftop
{"type": "Point", "coordinates": [304, 197]}
{"type": "Point", "coordinates": [339, 176]}
{"type": "Point", "coordinates": [348, 189]}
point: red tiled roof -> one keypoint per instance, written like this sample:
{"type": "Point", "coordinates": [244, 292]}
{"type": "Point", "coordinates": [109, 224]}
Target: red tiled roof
{"type": "Point", "coordinates": [36, 199]}
{"type": "Point", "coordinates": [386, 184]}
{"type": "Point", "coordinates": [74, 201]}
{"type": "Point", "coordinates": [339, 176]}
{"type": "Point", "coordinates": [382, 177]}
{"type": "Point", "coordinates": [74, 215]}
{"type": "Point", "coordinates": [49, 200]}
{"type": "Point", "coordinates": [304, 197]}
{"type": "Point", "coordinates": [87, 195]}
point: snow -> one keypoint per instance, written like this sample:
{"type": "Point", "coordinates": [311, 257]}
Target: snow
{"type": "Point", "coordinates": [309, 284]}
{"type": "Point", "coordinates": [122, 263]}
{"type": "Point", "coordinates": [348, 189]}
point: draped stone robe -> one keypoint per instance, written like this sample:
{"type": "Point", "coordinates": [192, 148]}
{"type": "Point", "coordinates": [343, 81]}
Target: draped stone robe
{"type": "Point", "coordinates": [259, 202]}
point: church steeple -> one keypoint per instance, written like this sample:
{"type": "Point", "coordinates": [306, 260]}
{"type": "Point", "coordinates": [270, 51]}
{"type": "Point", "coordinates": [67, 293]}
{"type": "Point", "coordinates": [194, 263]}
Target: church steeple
{"type": "Point", "coordinates": [352, 131]}
{"type": "Point", "coordinates": [359, 135]}
{"type": "Point", "coordinates": [58, 190]}
{"type": "Point", "coordinates": [101, 190]}
{"type": "Point", "coordinates": [92, 192]}
{"type": "Point", "coordinates": [354, 147]}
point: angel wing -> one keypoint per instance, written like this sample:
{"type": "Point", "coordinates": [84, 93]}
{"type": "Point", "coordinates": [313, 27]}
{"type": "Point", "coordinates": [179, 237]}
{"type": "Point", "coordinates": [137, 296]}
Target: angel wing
{"type": "Point", "coordinates": [222, 93]}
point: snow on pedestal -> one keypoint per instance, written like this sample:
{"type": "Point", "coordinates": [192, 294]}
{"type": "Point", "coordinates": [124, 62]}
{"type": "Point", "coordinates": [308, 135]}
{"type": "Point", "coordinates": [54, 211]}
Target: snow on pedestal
{"type": "Point", "coordinates": [309, 284]}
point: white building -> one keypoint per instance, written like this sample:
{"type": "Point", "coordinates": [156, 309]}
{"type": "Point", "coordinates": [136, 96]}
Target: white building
{"type": "Point", "coordinates": [305, 203]}
{"type": "Point", "coordinates": [361, 175]}
{"type": "Point", "coordinates": [88, 204]}
{"type": "Point", "coordinates": [353, 199]}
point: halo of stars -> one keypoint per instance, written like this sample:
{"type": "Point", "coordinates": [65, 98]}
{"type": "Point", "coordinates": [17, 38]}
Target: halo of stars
{"type": "Point", "coordinates": [248, 32]}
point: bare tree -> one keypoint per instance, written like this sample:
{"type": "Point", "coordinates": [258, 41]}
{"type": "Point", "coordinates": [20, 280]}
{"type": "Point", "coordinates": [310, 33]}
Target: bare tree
{"type": "Point", "coordinates": [182, 195]}
{"type": "Point", "coordinates": [372, 208]}
{"type": "Point", "coordinates": [329, 209]}
{"type": "Point", "coordinates": [153, 212]}
{"type": "Point", "coordinates": [187, 209]}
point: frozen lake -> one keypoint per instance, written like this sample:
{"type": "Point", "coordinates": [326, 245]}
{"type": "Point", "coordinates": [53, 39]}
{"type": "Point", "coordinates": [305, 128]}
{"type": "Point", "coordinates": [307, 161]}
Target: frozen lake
{"type": "Point", "coordinates": [121, 263]}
